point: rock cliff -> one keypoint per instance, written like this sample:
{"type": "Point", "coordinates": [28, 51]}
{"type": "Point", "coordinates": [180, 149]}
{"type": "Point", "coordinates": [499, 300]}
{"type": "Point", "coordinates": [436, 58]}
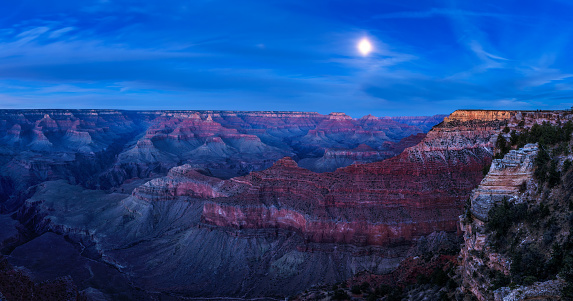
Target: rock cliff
{"type": "Point", "coordinates": [516, 227]}
{"type": "Point", "coordinates": [503, 182]}
{"type": "Point", "coordinates": [391, 202]}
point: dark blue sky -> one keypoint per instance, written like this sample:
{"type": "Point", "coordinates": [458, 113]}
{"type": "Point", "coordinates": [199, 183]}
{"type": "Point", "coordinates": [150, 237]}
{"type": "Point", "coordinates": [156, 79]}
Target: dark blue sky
{"type": "Point", "coordinates": [429, 56]}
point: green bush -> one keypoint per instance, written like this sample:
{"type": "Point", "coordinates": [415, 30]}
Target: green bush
{"type": "Point", "coordinates": [502, 216]}
{"type": "Point", "coordinates": [365, 286]}
{"type": "Point", "coordinates": [485, 169]}
{"type": "Point", "coordinates": [439, 277]}
{"type": "Point", "coordinates": [396, 294]}
{"type": "Point", "coordinates": [499, 280]}
{"type": "Point", "coordinates": [383, 290]}
{"type": "Point", "coordinates": [523, 187]}
{"type": "Point", "coordinates": [529, 280]}
{"type": "Point", "coordinates": [502, 145]}
{"type": "Point", "coordinates": [528, 264]}
{"type": "Point", "coordinates": [372, 297]}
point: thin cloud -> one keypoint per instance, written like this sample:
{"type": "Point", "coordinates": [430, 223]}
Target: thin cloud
{"type": "Point", "coordinates": [438, 12]}
{"type": "Point", "coordinates": [58, 33]}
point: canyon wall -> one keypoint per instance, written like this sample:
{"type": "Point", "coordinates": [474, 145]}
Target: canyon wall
{"type": "Point", "coordinates": [385, 203]}
{"type": "Point", "coordinates": [103, 148]}
{"type": "Point", "coordinates": [502, 182]}
{"type": "Point", "coordinates": [115, 193]}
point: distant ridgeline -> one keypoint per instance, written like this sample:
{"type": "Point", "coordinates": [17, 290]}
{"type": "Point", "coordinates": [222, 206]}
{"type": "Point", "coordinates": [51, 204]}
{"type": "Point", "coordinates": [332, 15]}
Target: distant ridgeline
{"type": "Point", "coordinates": [103, 148]}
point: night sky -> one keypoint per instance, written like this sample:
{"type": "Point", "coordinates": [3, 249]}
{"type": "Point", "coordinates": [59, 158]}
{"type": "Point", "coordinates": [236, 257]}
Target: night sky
{"type": "Point", "coordinates": [428, 57]}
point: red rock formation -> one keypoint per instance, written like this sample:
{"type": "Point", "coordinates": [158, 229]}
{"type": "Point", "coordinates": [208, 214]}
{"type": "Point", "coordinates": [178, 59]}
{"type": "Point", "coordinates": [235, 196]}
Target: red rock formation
{"type": "Point", "coordinates": [251, 141]}
{"type": "Point", "coordinates": [95, 147]}
{"type": "Point", "coordinates": [393, 201]}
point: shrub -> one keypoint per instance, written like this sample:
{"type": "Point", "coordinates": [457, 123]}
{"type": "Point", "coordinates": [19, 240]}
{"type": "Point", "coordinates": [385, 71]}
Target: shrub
{"type": "Point", "coordinates": [499, 280]}
{"type": "Point", "coordinates": [396, 294]}
{"type": "Point", "coordinates": [485, 169]}
{"type": "Point", "coordinates": [523, 187]}
{"type": "Point", "coordinates": [502, 145]}
{"type": "Point", "coordinates": [513, 138]}
{"type": "Point", "coordinates": [528, 262]}
{"type": "Point", "coordinates": [340, 295]}
{"type": "Point", "coordinates": [553, 175]}
{"type": "Point", "coordinates": [502, 216]}
{"type": "Point", "coordinates": [364, 286]}
{"type": "Point", "coordinates": [383, 290]}
{"type": "Point", "coordinates": [372, 297]}
{"type": "Point", "coordinates": [529, 280]}
{"type": "Point", "coordinates": [541, 162]}
{"type": "Point", "coordinates": [439, 277]}
{"type": "Point", "coordinates": [549, 234]}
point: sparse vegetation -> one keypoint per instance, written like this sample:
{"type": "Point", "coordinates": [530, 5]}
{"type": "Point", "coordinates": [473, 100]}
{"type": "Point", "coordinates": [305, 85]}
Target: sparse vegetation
{"type": "Point", "coordinates": [502, 145]}
{"type": "Point", "coordinates": [485, 169]}
{"type": "Point", "coordinates": [355, 289]}
{"type": "Point", "coordinates": [503, 216]}
{"type": "Point", "coordinates": [499, 279]}
{"type": "Point", "coordinates": [544, 134]}
{"type": "Point", "coordinates": [542, 220]}
{"type": "Point", "coordinates": [340, 294]}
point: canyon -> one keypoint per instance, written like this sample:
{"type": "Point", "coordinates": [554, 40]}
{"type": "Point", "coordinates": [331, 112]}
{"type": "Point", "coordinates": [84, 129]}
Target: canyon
{"type": "Point", "coordinates": [243, 204]}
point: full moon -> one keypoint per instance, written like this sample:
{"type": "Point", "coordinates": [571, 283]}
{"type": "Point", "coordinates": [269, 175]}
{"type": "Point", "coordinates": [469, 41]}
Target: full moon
{"type": "Point", "coordinates": [364, 46]}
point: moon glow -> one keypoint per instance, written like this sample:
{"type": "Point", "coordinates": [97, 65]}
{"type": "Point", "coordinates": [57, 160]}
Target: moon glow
{"type": "Point", "coordinates": [364, 46]}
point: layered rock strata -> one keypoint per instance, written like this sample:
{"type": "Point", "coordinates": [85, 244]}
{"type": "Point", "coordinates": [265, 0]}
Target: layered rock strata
{"type": "Point", "coordinates": [103, 148]}
{"type": "Point", "coordinates": [235, 143]}
{"type": "Point", "coordinates": [503, 181]}
{"type": "Point", "coordinates": [391, 202]}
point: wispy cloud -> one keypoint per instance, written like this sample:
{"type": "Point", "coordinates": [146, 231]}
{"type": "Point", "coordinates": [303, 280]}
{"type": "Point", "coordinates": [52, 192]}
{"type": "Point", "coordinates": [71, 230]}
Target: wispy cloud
{"type": "Point", "coordinates": [438, 12]}
{"type": "Point", "coordinates": [59, 32]}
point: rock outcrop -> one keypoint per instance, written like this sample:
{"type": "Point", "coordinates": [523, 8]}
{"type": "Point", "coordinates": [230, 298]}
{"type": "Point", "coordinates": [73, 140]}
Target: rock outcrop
{"type": "Point", "coordinates": [492, 250]}
{"type": "Point", "coordinates": [502, 182]}
{"type": "Point", "coordinates": [480, 115]}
